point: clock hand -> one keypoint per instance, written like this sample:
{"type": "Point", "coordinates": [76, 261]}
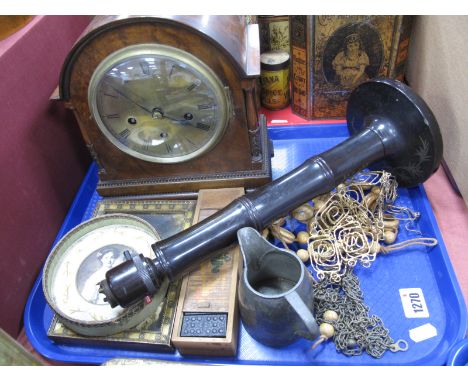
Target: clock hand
{"type": "Point", "coordinates": [128, 98]}
{"type": "Point", "coordinates": [158, 113]}
{"type": "Point", "coordinates": [175, 119]}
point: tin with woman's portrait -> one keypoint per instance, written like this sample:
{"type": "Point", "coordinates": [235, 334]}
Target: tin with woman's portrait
{"type": "Point", "coordinates": [352, 54]}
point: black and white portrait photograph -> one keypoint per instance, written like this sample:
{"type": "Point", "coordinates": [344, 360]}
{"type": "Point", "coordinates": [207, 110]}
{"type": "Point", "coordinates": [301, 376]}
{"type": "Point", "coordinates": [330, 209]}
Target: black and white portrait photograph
{"type": "Point", "coordinates": [93, 270]}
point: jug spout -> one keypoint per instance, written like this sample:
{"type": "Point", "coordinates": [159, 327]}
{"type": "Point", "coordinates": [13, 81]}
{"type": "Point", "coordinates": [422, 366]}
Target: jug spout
{"type": "Point", "coordinates": [253, 247]}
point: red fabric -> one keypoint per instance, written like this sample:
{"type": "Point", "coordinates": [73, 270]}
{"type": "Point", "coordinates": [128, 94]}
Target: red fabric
{"type": "Point", "coordinates": [42, 155]}
{"type": "Point", "coordinates": [286, 117]}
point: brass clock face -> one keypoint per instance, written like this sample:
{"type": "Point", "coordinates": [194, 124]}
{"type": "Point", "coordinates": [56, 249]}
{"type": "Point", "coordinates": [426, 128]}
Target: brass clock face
{"type": "Point", "coordinates": [158, 103]}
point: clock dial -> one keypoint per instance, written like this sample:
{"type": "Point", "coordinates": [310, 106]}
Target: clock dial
{"type": "Point", "coordinates": [158, 103]}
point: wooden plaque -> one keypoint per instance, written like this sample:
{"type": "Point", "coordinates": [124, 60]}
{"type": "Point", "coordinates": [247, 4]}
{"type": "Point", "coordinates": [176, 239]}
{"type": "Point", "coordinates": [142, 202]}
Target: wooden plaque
{"type": "Point", "coordinates": [211, 289]}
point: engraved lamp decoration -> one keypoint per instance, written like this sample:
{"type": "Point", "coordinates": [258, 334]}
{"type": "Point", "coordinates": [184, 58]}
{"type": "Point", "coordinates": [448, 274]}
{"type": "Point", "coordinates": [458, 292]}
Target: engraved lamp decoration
{"type": "Point", "coordinates": [169, 104]}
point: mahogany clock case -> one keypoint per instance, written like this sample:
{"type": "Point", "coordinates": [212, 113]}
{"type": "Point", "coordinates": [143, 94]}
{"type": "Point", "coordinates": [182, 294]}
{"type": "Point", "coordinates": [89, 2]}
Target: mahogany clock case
{"type": "Point", "coordinates": [242, 156]}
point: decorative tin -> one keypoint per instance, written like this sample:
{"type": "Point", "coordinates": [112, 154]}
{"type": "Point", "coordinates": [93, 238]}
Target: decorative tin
{"type": "Point", "coordinates": [168, 217]}
{"type": "Point", "coordinates": [80, 260]}
{"type": "Point", "coordinates": [274, 33]}
{"type": "Point", "coordinates": [331, 55]}
{"type": "Point", "coordinates": [275, 80]}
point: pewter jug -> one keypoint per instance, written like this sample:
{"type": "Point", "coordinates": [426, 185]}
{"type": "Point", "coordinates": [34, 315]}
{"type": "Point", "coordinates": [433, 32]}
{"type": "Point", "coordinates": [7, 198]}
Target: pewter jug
{"type": "Point", "coordinates": [276, 295]}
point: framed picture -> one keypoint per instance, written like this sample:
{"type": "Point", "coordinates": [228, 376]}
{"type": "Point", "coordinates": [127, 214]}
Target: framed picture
{"type": "Point", "coordinates": [168, 217]}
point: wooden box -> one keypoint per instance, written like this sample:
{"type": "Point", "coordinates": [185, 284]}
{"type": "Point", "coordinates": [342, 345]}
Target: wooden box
{"type": "Point", "coordinates": [331, 55]}
{"type": "Point", "coordinates": [211, 289]}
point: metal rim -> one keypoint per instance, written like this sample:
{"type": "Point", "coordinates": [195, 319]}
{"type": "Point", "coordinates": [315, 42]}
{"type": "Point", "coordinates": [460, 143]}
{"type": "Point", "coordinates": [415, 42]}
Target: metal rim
{"type": "Point", "coordinates": [159, 50]}
{"type": "Point", "coordinates": [64, 243]}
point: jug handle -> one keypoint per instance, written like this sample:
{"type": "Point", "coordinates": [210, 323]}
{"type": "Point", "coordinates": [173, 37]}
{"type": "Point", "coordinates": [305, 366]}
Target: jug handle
{"type": "Point", "coordinates": [304, 313]}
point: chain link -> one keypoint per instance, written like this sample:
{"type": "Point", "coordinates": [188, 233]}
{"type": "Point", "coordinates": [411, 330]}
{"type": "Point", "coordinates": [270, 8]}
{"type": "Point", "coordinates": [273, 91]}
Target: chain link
{"type": "Point", "coordinates": [355, 330]}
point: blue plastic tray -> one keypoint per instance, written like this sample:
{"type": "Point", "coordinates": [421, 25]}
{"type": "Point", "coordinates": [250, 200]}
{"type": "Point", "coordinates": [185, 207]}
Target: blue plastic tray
{"type": "Point", "coordinates": [416, 267]}
{"type": "Point", "coordinates": [458, 355]}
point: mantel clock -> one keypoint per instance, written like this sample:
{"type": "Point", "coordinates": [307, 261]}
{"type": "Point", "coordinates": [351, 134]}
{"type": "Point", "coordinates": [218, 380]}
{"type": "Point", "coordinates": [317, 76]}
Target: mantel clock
{"type": "Point", "coordinates": [169, 104]}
